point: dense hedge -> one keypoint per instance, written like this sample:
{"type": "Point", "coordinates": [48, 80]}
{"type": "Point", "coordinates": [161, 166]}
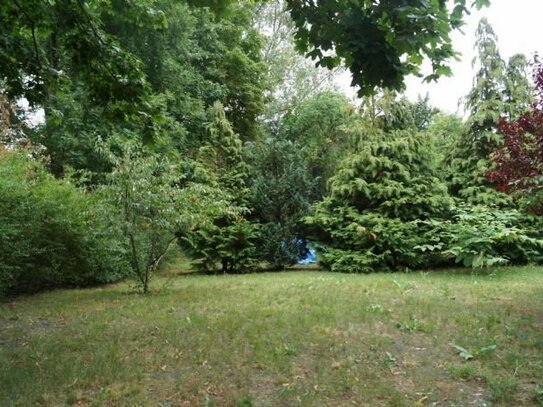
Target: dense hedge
{"type": "Point", "coordinates": [52, 233]}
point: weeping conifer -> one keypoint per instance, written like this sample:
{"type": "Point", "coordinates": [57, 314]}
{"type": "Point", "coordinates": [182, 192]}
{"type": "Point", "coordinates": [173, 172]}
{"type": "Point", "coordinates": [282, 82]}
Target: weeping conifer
{"type": "Point", "coordinates": [380, 197]}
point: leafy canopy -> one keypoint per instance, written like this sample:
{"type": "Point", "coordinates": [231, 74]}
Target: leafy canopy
{"type": "Point", "coordinates": [380, 42]}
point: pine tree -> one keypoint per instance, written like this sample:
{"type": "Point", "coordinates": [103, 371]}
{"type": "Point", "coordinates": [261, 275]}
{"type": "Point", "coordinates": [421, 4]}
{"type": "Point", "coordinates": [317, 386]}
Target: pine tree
{"type": "Point", "coordinates": [380, 198]}
{"type": "Point", "coordinates": [229, 241]}
{"type": "Point", "coordinates": [469, 159]}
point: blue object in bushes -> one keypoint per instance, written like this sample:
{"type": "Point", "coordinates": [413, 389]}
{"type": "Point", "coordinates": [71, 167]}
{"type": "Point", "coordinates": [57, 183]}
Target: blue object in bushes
{"type": "Point", "coordinates": [310, 258]}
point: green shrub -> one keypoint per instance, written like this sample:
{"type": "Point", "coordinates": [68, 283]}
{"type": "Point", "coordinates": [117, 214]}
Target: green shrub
{"type": "Point", "coordinates": [228, 243]}
{"type": "Point", "coordinates": [51, 233]}
{"type": "Point", "coordinates": [479, 236]}
{"type": "Point", "coordinates": [227, 238]}
{"type": "Point", "coordinates": [380, 200]}
{"type": "Point", "coordinates": [149, 207]}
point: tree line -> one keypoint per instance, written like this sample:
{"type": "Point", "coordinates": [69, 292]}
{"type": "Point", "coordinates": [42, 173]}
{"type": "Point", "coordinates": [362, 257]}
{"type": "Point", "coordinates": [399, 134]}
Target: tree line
{"type": "Point", "coordinates": [197, 124]}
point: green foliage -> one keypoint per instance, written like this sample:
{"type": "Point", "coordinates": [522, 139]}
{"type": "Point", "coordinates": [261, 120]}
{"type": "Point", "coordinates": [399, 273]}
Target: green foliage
{"type": "Point", "coordinates": [148, 69]}
{"type": "Point", "coordinates": [380, 42]}
{"type": "Point", "coordinates": [148, 208]}
{"type": "Point", "coordinates": [281, 189]}
{"type": "Point", "coordinates": [445, 129]}
{"type": "Point", "coordinates": [12, 129]}
{"type": "Point", "coordinates": [469, 158]}
{"type": "Point", "coordinates": [185, 82]}
{"type": "Point", "coordinates": [317, 128]}
{"type": "Point", "coordinates": [412, 325]}
{"type": "Point", "coordinates": [45, 44]}
{"type": "Point", "coordinates": [479, 236]}
{"type": "Point", "coordinates": [229, 242]}
{"type": "Point", "coordinates": [196, 58]}
{"type": "Point", "coordinates": [484, 101]}
{"type": "Point", "coordinates": [390, 112]}
{"type": "Point", "coordinates": [388, 209]}
{"type": "Point", "coordinates": [292, 79]}
{"type": "Point", "coordinates": [497, 89]}
{"type": "Point", "coordinates": [52, 234]}
{"type": "Point", "coordinates": [423, 112]}
{"type": "Point", "coordinates": [466, 176]}
{"type": "Point", "coordinates": [518, 92]}
{"type": "Point", "coordinates": [538, 395]}
{"type": "Point", "coordinates": [372, 218]}
{"type": "Point", "coordinates": [229, 238]}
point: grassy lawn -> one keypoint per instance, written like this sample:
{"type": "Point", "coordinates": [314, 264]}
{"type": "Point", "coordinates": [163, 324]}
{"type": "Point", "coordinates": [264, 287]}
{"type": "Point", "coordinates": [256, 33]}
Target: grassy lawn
{"type": "Point", "coordinates": [281, 339]}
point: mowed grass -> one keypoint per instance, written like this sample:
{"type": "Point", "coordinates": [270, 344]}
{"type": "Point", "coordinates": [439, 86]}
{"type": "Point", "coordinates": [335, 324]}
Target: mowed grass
{"type": "Point", "coordinates": [281, 339]}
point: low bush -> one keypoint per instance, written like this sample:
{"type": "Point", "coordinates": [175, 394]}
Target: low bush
{"type": "Point", "coordinates": [479, 236]}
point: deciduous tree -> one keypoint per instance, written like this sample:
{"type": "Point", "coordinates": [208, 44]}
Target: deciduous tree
{"type": "Point", "coordinates": [519, 162]}
{"type": "Point", "coordinates": [380, 42]}
{"type": "Point", "coordinates": [150, 205]}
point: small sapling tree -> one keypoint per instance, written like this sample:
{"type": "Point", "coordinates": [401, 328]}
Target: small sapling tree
{"type": "Point", "coordinates": [149, 207]}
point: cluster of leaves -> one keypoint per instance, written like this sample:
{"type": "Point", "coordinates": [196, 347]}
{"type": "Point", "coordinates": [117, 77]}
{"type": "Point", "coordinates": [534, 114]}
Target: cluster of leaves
{"type": "Point", "coordinates": [317, 128]}
{"type": "Point", "coordinates": [469, 355]}
{"type": "Point", "coordinates": [479, 236]}
{"type": "Point", "coordinates": [147, 68]}
{"type": "Point", "coordinates": [47, 43]}
{"type": "Point", "coordinates": [12, 129]}
{"type": "Point", "coordinates": [373, 38]}
{"type": "Point", "coordinates": [228, 244]}
{"type": "Point", "coordinates": [519, 162]}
